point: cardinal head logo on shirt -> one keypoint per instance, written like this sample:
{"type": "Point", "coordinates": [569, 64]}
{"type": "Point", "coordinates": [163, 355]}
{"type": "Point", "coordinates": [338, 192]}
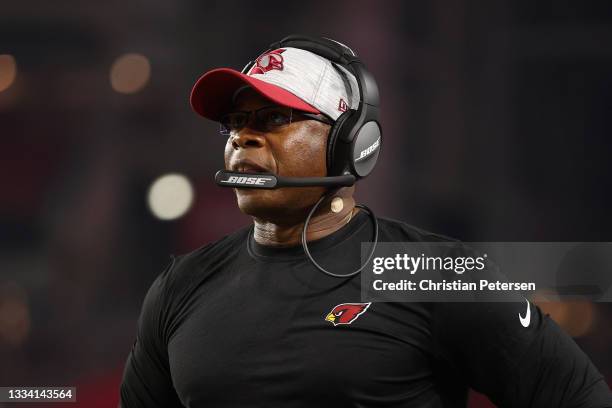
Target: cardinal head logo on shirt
{"type": "Point", "coordinates": [346, 313]}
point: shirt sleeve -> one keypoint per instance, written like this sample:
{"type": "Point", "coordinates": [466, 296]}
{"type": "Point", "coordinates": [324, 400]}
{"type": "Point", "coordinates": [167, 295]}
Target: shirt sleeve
{"type": "Point", "coordinates": [516, 366]}
{"type": "Point", "coordinates": [146, 378]}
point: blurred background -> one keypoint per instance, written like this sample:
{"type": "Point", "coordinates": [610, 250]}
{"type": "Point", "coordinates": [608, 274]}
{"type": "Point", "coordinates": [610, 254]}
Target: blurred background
{"type": "Point", "coordinates": [496, 120]}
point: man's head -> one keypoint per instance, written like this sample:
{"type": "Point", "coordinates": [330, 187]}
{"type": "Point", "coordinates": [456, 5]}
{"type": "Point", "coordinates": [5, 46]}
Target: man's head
{"type": "Point", "coordinates": [279, 109]}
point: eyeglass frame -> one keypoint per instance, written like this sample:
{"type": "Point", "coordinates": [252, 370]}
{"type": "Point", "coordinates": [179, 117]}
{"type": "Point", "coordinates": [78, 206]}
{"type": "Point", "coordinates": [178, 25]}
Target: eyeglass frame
{"type": "Point", "coordinates": [312, 116]}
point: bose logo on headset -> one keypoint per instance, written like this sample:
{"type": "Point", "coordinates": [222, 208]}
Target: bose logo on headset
{"type": "Point", "coordinates": [369, 150]}
{"type": "Point", "coordinates": [247, 180]}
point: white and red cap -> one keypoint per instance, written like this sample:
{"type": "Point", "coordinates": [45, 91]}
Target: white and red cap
{"type": "Point", "coordinates": [287, 76]}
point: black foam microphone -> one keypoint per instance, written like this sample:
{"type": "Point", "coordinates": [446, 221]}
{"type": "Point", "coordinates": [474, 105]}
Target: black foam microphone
{"type": "Point", "coordinates": [270, 181]}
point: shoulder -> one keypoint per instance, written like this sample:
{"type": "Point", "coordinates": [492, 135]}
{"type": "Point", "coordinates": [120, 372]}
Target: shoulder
{"type": "Point", "coordinates": [402, 231]}
{"type": "Point", "coordinates": [172, 287]}
{"type": "Point", "coordinates": [184, 268]}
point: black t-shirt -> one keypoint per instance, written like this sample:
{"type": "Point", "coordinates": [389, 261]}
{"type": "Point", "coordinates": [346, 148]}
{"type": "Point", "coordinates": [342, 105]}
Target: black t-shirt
{"type": "Point", "coordinates": [238, 324]}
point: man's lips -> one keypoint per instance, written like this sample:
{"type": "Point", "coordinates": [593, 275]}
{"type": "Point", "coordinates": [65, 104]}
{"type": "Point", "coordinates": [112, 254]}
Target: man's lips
{"type": "Point", "coordinates": [248, 166]}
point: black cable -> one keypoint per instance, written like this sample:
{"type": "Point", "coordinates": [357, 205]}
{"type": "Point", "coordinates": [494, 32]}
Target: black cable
{"type": "Point", "coordinates": [319, 267]}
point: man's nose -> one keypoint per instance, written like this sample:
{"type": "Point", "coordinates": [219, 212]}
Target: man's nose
{"type": "Point", "coordinates": [246, 138]}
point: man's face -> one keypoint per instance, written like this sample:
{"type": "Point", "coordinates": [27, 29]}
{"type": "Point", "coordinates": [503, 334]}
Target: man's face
{"type": "Point", "coordinates": [294, 150]}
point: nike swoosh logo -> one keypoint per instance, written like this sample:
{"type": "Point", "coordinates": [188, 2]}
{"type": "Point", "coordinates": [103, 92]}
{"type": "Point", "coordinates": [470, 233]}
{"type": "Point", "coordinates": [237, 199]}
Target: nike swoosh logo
{"type": "Point", "coordinates": [527, 319]}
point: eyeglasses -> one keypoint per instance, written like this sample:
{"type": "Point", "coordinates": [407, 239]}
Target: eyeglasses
{"type": "Point", "coordinates": [267, 119]}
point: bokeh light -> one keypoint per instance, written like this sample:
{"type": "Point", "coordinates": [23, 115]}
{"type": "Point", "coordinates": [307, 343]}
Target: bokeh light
{"type": "Point", "coordinates": [8, 71]}
{"type": "Point", "coordinates": [576, 317]}
{"type": "Point", "coordinates": [14, 314]}
{"type": "Point", "coordinates": [170, 196]}
{"type": "Point", "coordinates": [130, 73]}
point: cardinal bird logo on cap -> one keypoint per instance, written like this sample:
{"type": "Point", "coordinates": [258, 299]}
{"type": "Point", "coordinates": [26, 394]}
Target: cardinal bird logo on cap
{"type": "Point", "coordinates": [346, 313]}
{"type": "Point", "coordinates": [268, 61]}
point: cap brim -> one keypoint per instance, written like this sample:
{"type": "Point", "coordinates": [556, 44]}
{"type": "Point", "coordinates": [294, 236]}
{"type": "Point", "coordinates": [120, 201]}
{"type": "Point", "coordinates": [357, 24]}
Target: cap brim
{"type": "Point", "coordinates": [213, 92]}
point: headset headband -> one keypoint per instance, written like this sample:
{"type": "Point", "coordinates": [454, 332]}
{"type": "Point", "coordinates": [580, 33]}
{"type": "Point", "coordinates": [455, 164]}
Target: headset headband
{"type": "Point", "coordinates": [324, 47]}
{"type": "Point", "coordinates": [335, 52]}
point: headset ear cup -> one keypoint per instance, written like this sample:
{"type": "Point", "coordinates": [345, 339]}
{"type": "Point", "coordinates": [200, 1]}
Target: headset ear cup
{"type": "Point", "coordinates": [365, 149]}
{"type": "Point", "coordinates": [334, 163]}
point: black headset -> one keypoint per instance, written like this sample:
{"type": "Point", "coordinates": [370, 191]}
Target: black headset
{"type": "Point", "coordinates": [355, 138]}
{"type": "Point", "coordinates": [353, 145]}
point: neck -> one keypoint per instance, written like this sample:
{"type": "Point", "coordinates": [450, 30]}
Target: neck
{"type": "Point", "coordinates": [323, 223]}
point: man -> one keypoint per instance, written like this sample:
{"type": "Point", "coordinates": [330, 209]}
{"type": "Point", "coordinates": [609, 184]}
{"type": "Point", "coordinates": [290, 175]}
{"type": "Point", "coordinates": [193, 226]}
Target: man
{"type": "Point", "coordinates": [248, 321]}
